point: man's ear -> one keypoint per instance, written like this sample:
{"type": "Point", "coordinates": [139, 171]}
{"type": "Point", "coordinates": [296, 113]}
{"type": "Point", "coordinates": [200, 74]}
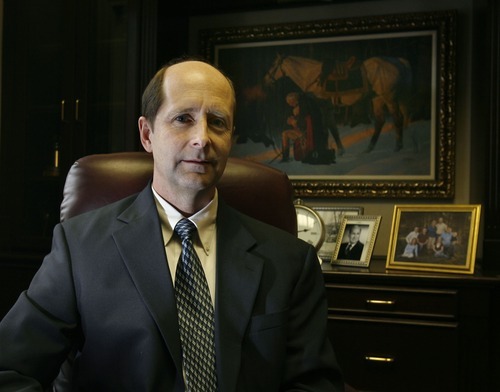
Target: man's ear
{"type": "Point", "coordinates": [145, 131]}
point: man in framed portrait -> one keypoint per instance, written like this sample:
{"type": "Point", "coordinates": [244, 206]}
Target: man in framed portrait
{"type": "Point", "coordinates": [353, 248]}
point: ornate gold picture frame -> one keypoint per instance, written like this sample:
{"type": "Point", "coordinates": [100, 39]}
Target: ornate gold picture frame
{"type": "Point", "coordinates": [356, 240]}
{"type": "Point", "coordinates": [441, 238]}
{"type": "Point", "coordinates": [366, 146]}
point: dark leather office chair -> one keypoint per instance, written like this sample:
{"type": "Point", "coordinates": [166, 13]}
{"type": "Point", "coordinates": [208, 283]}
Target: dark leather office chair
{"type": "Point", "coordinates": [252, 188]}
{"type": "Point", "coordinates": [96, 180]}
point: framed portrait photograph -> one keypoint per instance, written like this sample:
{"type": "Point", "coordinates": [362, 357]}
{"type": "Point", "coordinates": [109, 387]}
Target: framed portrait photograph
{"type": "Point", "coordinates": [355, 107]}
{"type": "Point", "coordinates": [332, 218]}
{"type": "Point", "coordinates": [441, 238]}
{"type": "Point", "coordinates": [355, 240]}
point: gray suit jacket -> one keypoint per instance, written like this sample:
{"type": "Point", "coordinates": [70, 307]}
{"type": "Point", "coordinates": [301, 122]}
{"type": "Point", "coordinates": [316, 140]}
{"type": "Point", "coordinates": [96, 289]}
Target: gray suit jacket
{"type": "Point", "coordinates": [105, 290]}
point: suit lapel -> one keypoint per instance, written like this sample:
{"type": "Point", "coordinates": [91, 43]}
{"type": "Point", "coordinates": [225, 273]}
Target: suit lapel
{"type": "Point", "coordinates": [148, 266]}
{"type": "Point", "coordinates": [238, 277]}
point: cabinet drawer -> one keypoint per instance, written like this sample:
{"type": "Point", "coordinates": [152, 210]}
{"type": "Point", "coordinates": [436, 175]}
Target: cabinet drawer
{"type": "Point", "coordinates": [395, 301]}
{"type": "Point", "coordinates": [390, 355]}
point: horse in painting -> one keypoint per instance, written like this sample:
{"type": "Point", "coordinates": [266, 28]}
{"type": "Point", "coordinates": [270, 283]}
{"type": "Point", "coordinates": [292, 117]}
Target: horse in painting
{"type": "Point", "coordinates": [386, 81]}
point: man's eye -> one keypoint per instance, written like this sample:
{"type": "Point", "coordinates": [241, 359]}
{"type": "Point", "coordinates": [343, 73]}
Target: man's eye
{"type": "Point", "coordinates": [183, 118]}
{"type": "Point", "coordinates": [218, 123]}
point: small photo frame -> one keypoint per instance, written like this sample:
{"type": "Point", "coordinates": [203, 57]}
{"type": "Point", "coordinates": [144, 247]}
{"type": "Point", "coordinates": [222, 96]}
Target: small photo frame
{"type": "Point", "coordinates": [440, 238]}
{"type": "Point", "coordinates": [356, 240]}
{"type": "Point", "coordinates": [332, 218]}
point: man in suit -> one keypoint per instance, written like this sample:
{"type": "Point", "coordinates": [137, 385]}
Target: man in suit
{"type": "Point", "coordinates": [106, 291]}
{"type": "Point", "coordinates": [353, 249]}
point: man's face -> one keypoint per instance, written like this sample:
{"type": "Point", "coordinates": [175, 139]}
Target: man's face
{"type": "Point", "coordinates": [354, 235]}
{"type": "Point", "coordinates": [191, 135]}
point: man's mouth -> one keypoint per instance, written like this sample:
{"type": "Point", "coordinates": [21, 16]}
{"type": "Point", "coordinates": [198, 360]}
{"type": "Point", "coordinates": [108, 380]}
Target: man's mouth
{"type": "Point", "coordinates": [199, 161]}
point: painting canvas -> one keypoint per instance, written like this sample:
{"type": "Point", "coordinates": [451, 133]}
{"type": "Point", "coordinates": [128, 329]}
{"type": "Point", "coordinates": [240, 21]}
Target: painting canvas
{"type": "Point", "coordinates": [367, 122]}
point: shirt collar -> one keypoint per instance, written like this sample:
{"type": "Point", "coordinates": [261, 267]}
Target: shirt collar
{"type": "Point", "coordinates": [203, 219]}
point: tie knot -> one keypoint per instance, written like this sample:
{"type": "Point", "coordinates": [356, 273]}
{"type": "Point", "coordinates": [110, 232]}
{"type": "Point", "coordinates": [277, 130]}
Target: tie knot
{"type": "Point", "coordinates": [185, 228]}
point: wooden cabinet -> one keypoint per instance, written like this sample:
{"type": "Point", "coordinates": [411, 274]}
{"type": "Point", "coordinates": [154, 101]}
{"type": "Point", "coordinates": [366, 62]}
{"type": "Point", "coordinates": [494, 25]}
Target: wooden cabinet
{"type": "Point", "coordinates": [396, 331]}
{"type": "Point", "coordinates": [70, 88]}
{"type": "Point", "coordinates": [389, 331]}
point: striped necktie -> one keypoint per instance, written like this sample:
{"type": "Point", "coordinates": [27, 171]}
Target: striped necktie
{"type": "Point", "coordinates": [196, 315]}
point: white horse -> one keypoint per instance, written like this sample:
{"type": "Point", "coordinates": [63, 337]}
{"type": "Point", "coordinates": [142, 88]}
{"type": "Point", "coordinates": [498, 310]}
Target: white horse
{"type": "Point", "coordinates": [386, 80]}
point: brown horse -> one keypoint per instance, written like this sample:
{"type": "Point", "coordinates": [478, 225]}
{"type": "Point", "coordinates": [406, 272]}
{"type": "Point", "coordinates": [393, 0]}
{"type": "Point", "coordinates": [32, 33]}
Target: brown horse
{"type": "Point", "coordinates": [386, 80]}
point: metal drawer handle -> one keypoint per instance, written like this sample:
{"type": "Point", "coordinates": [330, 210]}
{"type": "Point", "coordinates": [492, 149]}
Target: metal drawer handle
{"type": "Point", "coordinates": [379, 359]}
{"type": "Point", "coordinates": [380, 302]}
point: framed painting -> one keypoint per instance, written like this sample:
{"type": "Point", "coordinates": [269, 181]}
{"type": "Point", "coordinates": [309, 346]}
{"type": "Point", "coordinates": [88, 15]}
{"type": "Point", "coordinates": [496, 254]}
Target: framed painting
{"type": "Point", "coordinates": [332, 218]}
{"type": "Point", "coordinates": [441, 238]}
{"type": "Point", "coordinates": [356, 240]}
{"type": "Point", "coordinates": [357, 107]}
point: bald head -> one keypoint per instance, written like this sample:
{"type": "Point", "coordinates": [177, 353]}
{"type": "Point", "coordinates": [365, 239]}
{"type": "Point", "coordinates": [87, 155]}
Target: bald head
{"type": "Point", "coordinates": [154, 94]}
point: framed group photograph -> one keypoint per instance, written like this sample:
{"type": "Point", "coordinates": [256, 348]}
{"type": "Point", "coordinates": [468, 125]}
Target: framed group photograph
{"type": "Point", "coordinates": [355, 240]}
{"type": "Point", "coordinates": [441, 238]}
{"type": "Point", "coordinates": [354, 107]}
{"type": "Point", "coordinates": [332, 218]}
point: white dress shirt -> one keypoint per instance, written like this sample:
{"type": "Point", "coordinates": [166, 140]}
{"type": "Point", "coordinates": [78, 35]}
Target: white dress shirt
{"type": "Point", "coordinates": [204, 243]}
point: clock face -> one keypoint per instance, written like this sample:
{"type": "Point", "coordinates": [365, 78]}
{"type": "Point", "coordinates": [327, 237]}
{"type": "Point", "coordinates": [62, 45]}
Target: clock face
{"type": "Point", "coordinates": [309, 226]}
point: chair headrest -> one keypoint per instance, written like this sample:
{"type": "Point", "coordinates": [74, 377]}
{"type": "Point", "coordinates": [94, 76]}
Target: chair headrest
{"type": "Point", "coordinates": [253, 188]}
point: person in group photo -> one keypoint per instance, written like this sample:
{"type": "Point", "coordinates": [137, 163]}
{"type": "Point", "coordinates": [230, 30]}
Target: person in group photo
{"type": "Point", "coordinates": [411, 249]}
{"type": "Point", "coordinates": [441, 226]}
{"type": "Point", "coordinates": [423, 241]}
{"type": "Point", "coordinates": [413, 235]}
{"type": "Point", "coordinates": [449, 238]}
{"type": "Point", "coordinates": [438, 248]}
{"type": "Point", "coordinates": [432, 233]}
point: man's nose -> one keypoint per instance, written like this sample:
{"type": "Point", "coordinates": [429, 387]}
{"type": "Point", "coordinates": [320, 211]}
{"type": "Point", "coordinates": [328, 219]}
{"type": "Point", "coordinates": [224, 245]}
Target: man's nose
{"type": "Point", "coordinates": [201, 134]}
